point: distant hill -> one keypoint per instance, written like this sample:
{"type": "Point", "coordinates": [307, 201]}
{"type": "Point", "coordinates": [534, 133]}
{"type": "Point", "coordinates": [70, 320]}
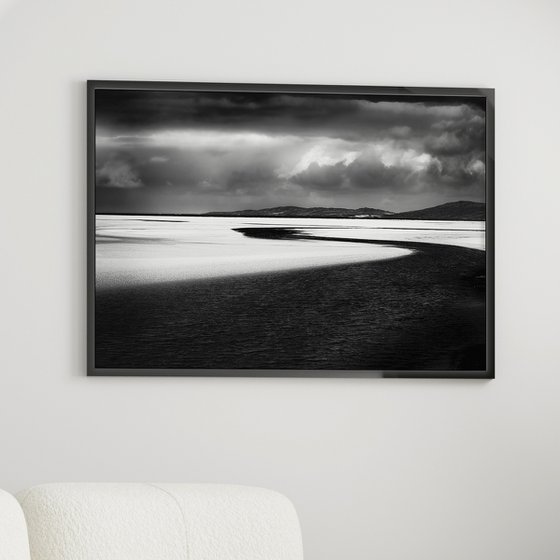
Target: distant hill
{"type": "Point", "coordinates": [299, 212]}
{"type": "Point", "coordinates": [461, 210]}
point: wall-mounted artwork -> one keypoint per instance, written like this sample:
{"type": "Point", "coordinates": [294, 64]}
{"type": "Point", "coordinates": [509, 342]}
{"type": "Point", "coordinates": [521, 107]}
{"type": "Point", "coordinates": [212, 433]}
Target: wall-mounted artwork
{"type": "Point", "coordinates": [304, 231]}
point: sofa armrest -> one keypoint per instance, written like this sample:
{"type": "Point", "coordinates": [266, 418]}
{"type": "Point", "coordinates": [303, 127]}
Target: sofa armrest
{"type": "Point", "coordinates": [14, 544]}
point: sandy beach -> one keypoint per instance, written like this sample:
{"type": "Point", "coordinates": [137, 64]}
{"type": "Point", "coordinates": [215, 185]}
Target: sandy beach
{"type": "Point", "coordinates": [140, 250]}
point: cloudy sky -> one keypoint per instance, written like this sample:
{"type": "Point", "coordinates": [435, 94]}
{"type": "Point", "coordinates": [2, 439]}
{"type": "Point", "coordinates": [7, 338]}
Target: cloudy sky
{"type": "Point", "coordinates": [168, 151]}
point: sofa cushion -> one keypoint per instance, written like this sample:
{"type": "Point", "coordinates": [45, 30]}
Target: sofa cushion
{"type": "Point", "coordinates": [159, 522]}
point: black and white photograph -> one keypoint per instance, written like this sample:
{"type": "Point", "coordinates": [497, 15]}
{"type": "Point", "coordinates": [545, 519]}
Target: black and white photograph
{"type": "Point", "coordinates": [290, 231]}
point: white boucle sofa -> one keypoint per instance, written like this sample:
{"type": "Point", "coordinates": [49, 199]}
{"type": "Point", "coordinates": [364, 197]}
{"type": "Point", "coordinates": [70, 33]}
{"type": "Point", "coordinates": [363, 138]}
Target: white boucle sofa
{"type": "Point", "coordinates": [13, 532]}
{"type": "Point", "coordinates": [148, 522]}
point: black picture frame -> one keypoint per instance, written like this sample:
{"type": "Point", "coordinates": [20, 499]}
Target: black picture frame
{"type": "Point", "coordinates": [396, 93]}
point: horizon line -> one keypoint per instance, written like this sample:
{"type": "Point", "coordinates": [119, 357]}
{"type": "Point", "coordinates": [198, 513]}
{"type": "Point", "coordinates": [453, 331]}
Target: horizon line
{"type": "Point", "coordinates": [283, 206]}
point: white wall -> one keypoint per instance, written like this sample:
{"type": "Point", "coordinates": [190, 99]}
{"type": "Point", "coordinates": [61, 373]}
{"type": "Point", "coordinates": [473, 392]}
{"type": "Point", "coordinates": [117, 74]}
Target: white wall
{"type": "Point", "coordinates": [378, 469]}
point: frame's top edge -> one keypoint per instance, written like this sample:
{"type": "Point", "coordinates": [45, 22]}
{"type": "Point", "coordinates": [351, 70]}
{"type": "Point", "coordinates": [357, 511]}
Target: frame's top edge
{"type": "Point", "coordinates": [286, 88]}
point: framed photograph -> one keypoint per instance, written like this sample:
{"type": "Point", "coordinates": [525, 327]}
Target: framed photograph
{"type": "Point", "coordinates": [290, 230]}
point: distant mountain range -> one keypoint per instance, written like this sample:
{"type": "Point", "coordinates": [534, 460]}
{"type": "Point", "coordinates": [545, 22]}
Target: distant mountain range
{"type": "Point", "coordinates": [300, 212]}
{"type": "Point", "coordinates": [461, 210]}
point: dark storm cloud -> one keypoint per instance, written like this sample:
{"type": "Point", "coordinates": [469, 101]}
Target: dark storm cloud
{"type": "Point", "coordinates": [459, 173]}
{"type": "Point", "coordinates": [366, 175]}
{"type": "Point", "coordinates": [339, 115]}
{"type": "Point", "coordinates": [190, 152]}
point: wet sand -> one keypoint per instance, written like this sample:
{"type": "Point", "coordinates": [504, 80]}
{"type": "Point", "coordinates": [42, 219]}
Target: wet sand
{"type": "Point", "coordinates": [425, 311]}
